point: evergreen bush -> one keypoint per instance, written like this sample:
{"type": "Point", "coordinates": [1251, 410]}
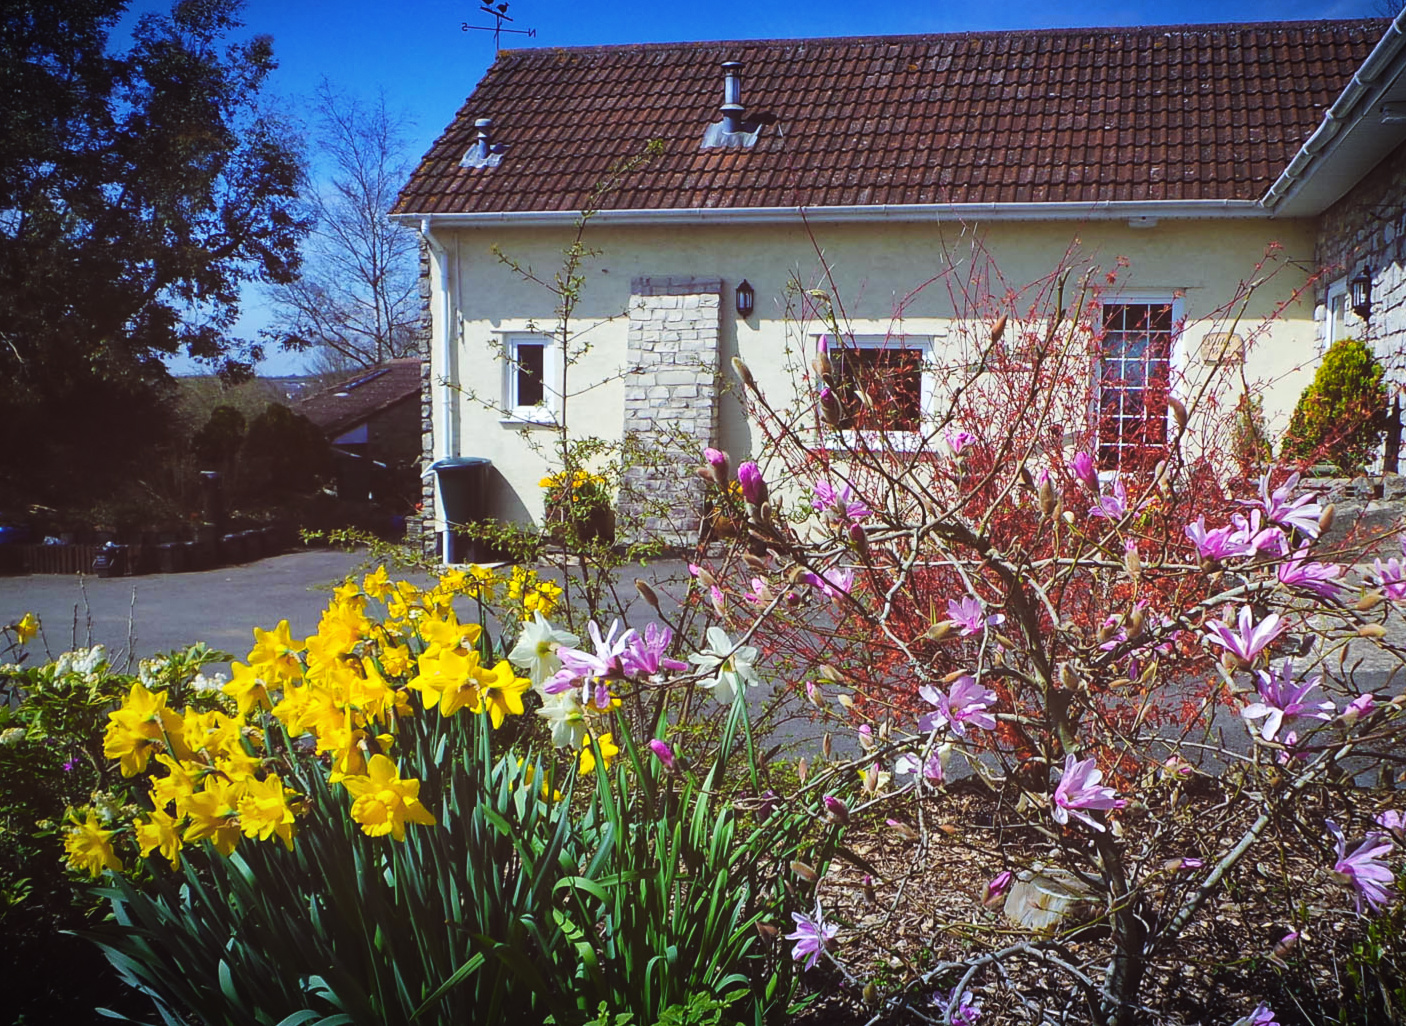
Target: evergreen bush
{"type": "Point", "coordinates": [1339, 418]}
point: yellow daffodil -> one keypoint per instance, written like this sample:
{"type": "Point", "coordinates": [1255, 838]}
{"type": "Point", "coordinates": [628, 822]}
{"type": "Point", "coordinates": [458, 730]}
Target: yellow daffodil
{"type": "Point", "coordinates": [275, 656]}
{"type": "Point", "coordinates": [140, 726]}
{"type": "Point", "coordinates": [264, 812]}
{"type": "Point", "coordinates": [27, 628]}
{"type": "Point", "coordinates": [385, 802]}
{"type": "Point", "coordinates": [246, 689]}
{"type": "Point", "coordinates": [377, 584]}
{"type": "Point", "coordinates": [214, 815]}
{"type": "Point", "coordinates": [87, 846]}
{"type": "Point", "coordinates": [448, 632]}
{"type": "Point", "coordinates": [176, 786]}
{"type": "Point", "coordinates": [158, 830]}
{"type": "Point", "coordinates": [608, 751]}
{"type": "Point", "coordinates": [501, 691]}
{"type": "Point", "coordinates": [395, 660]}
{"type": "Point", "coordinates": [447, 678]}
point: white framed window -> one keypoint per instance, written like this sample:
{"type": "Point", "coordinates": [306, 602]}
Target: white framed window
{"type": "Point", "coordinates": [883, 384]}
{"type": "Point", "coordinates": [1134, 378]}
{"type": "Point", "coordinates": [1341, 322]}
{"type": "Point", "coordinates": [530, 392]}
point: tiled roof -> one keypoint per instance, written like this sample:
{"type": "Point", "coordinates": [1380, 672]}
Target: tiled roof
{"type": "Point", "coordinates": [1206, 112]}
{"type": "Point", "coordinates": [340, 407]}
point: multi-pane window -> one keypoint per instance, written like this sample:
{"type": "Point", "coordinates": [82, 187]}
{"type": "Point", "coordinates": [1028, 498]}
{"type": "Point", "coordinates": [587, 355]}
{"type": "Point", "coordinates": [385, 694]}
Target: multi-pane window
{"type": "Point", "coordinates": [1134, 376]}
{"type": "Point", "coordinates": [527, 390]}
{"type": "Point", "coordinates": [879, 382]}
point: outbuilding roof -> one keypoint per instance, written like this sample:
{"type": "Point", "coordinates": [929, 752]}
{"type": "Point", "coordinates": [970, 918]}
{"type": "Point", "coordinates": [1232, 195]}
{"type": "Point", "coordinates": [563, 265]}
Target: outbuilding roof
{"type": "Point", "coordinates": [356, 399]}
{"type": "Point", "coordinates": [1103, 115]}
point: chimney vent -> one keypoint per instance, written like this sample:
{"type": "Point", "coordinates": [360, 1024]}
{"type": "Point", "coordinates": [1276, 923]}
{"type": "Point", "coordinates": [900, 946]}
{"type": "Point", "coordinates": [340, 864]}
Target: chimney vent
{"type": "Point", "coordinates": [732, 108]}
{"type": "Point", "coordinates": [484, 152]}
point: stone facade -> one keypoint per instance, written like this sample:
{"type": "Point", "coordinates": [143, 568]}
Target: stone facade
{"type": "Point", "coordinates": [671, 405]}
{"type": "Point", "coordinates": [419, 530]}
{"type": "Point", "coordinates": [1368, 227]}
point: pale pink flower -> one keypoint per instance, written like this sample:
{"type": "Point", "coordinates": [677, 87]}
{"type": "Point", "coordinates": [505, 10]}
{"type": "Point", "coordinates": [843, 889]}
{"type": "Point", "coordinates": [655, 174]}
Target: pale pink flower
{"type": "Point", "coordinates": [760, 594]}
{"type": "Point", "coordinates": [836, 808]}
{"type": "Point", "coordinates": [1261, 1016]}
{"type": "Point", "coordinates": [715, 594]}
{"type": "Point", "coordinates": [645, 655]}
{"type": "Point", "coordinates": [959, 440]}
{"type": "Point", "coordinates": [1323, 579]}
{"type": "Point", "coordinates": [840, 503]}
{"type": "Point", "coordinates": [1112, 507]}
{"type": "Point", "coordinates": [965, 1011]}
{"type": "Point", "coordinates": [966, 702]}
{"type": "Point", "coordinates": [1222, 543]}
{"type": "Point", "coordinates": [1362, 705]}
{"type": "Point", "coordinates": [1391, 577]}
{"type": "Point", "coordinates": [1281, 698]}
{"type": "Point", "coordinates": [968, 613]}
{"type": "Point", "coordinates": [593, 670]}
{"type": "Point", "coordinates": [1251, 639]}
{"type": "Point", "coordinates": [866, 737]}
{"type": "Point", "coordinates": [1079, 789]}
{"type": "Point", "coordinates": [1394, 823]}
{"type": "Point", "coordinates": [812, 936]}
{"type": "Point", "coordinates": [995, 890]}
{"type": "Point", "coordinates": [1254, 538]}
{"type": "Point", "coordinates": [1301, 514]}
{"type": "Point", "coordinates": [1082, 466]}
{"type": "Point", "coordinates": [932, 770]}
{"type": "Point", "coordinates": [1363, 870]}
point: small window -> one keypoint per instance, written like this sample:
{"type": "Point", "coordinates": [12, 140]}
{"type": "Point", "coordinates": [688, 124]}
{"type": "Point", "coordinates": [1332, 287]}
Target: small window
{"type": "Point", "coordinates": [882, 383]}
{"type": "Point", "coordinates": [528, 395]}
{"type": "Point", "coordinates": [1134, 381]}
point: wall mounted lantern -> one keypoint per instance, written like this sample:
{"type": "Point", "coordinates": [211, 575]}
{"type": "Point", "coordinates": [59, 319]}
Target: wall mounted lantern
{"type": "Point", "coordinates": [1361, 287]}
{"type": "Point", "coordinates": [747, 299]}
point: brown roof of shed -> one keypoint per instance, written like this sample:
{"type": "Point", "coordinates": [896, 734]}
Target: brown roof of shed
{"type": "Point", "coordinates": [1205, 112]}
{"type": "Point", "coordinates": [354, 400]}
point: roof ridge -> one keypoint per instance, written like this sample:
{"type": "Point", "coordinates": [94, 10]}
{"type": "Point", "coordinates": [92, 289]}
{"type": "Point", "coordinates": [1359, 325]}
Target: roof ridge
{"type": "Point", "coordinates": [1187, 28]}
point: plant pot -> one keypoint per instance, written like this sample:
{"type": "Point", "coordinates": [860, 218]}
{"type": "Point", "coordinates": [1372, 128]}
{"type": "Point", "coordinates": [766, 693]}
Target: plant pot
{"type": "Point", "coordinates": [598, 525]}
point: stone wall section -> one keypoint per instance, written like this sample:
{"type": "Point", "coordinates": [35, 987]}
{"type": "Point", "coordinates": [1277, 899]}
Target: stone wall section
{"type": "Point", "coordinates": [1368, 226]}
{"type": "Point", "coordinates": [671, 405]}
{"type": "Point", "coordinates": [419, 530]}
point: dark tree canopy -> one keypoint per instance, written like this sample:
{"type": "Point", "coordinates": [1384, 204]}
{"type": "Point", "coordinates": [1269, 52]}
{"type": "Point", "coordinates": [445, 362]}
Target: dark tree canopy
{"type": "Point", "coordinates": [138, 191]}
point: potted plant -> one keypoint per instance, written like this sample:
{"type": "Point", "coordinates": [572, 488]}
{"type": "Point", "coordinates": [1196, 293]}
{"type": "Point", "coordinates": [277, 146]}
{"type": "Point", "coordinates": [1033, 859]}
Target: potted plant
{"type": "Point", "coordinates": [577, 505]}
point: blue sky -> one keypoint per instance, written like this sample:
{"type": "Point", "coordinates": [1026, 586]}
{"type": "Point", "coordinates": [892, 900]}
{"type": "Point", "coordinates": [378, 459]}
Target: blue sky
{"type": "Point", "coordinates": [415, 52]}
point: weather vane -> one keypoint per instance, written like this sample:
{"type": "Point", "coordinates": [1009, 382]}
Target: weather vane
{"type": "Point", "coordinates": [499, 14]}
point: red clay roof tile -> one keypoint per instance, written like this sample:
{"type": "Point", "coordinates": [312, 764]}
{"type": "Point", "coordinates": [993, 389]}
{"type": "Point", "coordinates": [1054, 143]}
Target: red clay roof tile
{"type": "Point", "coordinates": [1078, 115]}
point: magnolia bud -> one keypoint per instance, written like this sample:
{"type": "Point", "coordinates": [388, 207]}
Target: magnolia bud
{"type": "Point", "coordinates": [1286, 944]}
{"type": "Point", "coordinates": [829, 673]}
{"type": "Point", "coordinates": [837, 810]}
{"type": "Point", "coordinates": [804, 871]}
{"type": "Point", "coordinates": [754, 561]}
{"type": "Point", "coordinates": [1371, 630]}
{"type": "Point", "coordinates": [938, 631]}
{"type": "Point", "coordinates": [802, 770]}
{"type": "Point", "coordinates": [767, 932]}
{"type": "Point", "coordinates": [859, 540]}
{"type": "Point", "coordinates": [823, 368]}
{"type": "Point", "coordinates": [869, 894]}
{"type": "Point", "coordinates": [647, 593]}
{"type": "Point", "coordinates": [1136, 617]}
{"type": "Point", "coordinates": [1178, 412]}
{"type": "Point", "coordinates": [825, 745]}
{"type": "Point", "coordinates": [870, 993]}
{"type": "Point", "coordinates": [705, 578]}
{"type": "Point", "coordinates": [1369, 600]}
{"type": "Point", "coordinates": [744, 373]}
{"type": "Point", "coordinates": [1325, 519]}
{"type": "Point", "coordinates": [903, 830]}
{"type": "Point", "coordinates": [954, 676]}
{"type": "Point", "coordinates": [1047, 498]}
{"type": "Point", "coordinates": [998, 329]}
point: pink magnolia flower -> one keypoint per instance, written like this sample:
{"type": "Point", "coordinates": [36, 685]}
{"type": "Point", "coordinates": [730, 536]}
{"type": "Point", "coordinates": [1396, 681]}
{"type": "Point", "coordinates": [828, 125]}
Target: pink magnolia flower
{"type": "Point", "coordinates": [836, 808]}
{"type": "Point", "coordinates": [1254, 538]}
{"type": "Point", "coordinates": [995, 890]}
{"type": "Point", "coordinates": [593, 670]}
{"type": "Point", "coordinates": [1251, 639]}
{"type": "Point", "coordinates": [1281, 698]}
{"type": "Point", "coordinates": [1082, 466]}
{"type": "Point", "coordinates": [1362, 705]}
{"type": "Point", "coordinates": [760, 594]}
{"type": "Point", "coordinates": [1394, 823]}
{"type": "Point", "coordinates": [1323, 579]}
{"type": "Point", "coordinates": [1363, 870]}
{"type": "Point", "coordinates": [1261, 1016]}
{"type": "Point", "coordinates": [1079, 789]}
{"type": "Point", "coordinates": [1112, 507]}
{"type": "Point", "coordinates": [1301, 514]}
{"type": "Point", "coordinates": [644, 657]}
{"type": "Point", "coordinates": [968, 612]}
{"type": "Point", "coordinates": [664, 753]}
{"type": "Point", "coordinates": [932, 770]}
{"type": "Point", "coordinates": [1222, 543]}
{"type": "Point", "coordinates": [812, 936]}
{"type": "Point", "coordinates": [717, 459]}
{"type": "Point", "coordinates": [965, 1011]}
{"type": "Point", "coordinates": [841, 503]}
{"type": "Point", "coordinates": [866, 737]}
{"type": "Point", "coordinates": [749, 476]}
{"type": "Point", "coordinates": [959, 440]}
{"type": "Point", "coordinates": [715, 595]}
{"type": "Point", "coordinates": [966, 702]}
{"type": "Point", "coordinates": [1391, 577]}
{"type": "Point", "coordinates": [836, 581]}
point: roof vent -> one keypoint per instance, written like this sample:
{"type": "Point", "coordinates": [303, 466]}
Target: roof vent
{"type": "Point", "coordinates": [731, 132]}
{"type": "Point", "coordinates": [484, 152]}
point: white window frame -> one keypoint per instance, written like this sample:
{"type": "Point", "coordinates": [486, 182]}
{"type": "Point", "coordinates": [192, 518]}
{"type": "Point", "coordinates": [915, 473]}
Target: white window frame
{"type": "Point", "coordinates": [543, 414]}
{"type": "Point", "coordinates": [1176, 358]}
{"type": "Point", "coordinates": [903, 441]}
{"type": "Point", "coordinates": [1334, 329]}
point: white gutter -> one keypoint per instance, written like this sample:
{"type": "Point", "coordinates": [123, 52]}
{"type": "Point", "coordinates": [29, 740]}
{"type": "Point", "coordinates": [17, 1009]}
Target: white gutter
{"type": "Point", "coordinates": [1343, 112]}
{"type": "Point", "coordinates": [446, 441]}
{"type": "Point", "coordinates": [1103, 210]}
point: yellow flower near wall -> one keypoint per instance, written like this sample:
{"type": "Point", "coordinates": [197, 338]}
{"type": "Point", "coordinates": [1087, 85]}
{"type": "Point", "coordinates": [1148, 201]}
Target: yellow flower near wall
{"type": "Point", "coordinates": [384, 802]}
{"type": "Point", "coordinates": [27, 628]}
{"type": "Point", "coordinates": [87, 846]}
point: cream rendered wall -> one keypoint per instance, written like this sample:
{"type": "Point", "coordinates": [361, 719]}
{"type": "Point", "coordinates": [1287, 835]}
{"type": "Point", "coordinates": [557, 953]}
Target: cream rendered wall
{"type": "Point", "coordinates": [874, 270]}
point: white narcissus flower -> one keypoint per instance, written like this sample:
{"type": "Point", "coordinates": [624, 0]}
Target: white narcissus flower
{"type": "Point", "coordinates": [733, 666]}
{"type": "Point", "coordinates": [567, 718]}
{"type": "Point", "coordinates": [536, 648]}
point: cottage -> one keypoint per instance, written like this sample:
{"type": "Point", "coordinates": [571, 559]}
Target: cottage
{"type": "Point", "coordinates": [903, 176]}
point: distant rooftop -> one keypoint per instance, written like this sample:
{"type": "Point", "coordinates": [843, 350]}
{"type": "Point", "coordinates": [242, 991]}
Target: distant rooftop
{"type": "Point", "coordinates": [362, 395]}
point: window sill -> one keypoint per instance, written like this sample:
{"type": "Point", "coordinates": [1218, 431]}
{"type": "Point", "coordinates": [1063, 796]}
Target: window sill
{"type": "Point", "coordinates": [529, 418]}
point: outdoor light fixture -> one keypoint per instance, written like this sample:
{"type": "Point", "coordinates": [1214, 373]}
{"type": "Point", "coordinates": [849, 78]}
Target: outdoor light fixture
{"type": "Point", "coordinates": [1361, 287]}
{"type": "Point", "coordinates": [747, 299]}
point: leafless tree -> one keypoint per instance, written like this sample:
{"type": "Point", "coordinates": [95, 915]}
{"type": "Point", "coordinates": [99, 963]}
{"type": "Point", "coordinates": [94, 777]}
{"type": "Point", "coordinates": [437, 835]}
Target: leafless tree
{"type": "Point", "coordinates": [356, 302]}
